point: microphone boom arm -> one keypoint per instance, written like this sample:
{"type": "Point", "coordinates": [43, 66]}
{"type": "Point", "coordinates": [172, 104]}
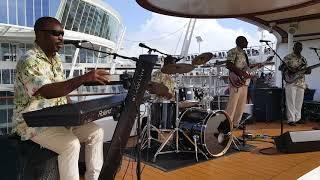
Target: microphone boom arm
{"type": "Point", "coordinates": [111, 54]}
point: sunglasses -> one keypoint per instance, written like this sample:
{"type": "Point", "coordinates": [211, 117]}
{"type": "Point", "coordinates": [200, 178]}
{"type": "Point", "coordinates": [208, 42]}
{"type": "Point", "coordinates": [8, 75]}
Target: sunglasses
{"type": "Point", "coordinates": [54, 32]}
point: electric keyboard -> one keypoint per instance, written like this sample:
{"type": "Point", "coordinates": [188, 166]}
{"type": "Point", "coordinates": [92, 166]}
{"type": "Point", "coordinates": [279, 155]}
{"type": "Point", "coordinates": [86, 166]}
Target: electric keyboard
{"type": "Point", "coordinates": [75, 114]}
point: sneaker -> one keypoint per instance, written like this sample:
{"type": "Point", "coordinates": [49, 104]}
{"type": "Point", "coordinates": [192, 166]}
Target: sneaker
{"type": "Point", "coordinates": [316, 128]}
{"type": "Point", "coordinates": [301, 122]}
{"type": "Point", "coordinates": [291, 123]}
{"type": "Point", "coordinates": [241, 127]}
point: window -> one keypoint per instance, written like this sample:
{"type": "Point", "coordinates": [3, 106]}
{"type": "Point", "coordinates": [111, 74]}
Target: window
{"type": "Point", "coordinates": [6, 76]}
{"type": "Point", "coordinates": [84, 17]}
{"type": "Point", "coordinates": [89, 57]}
{"type": "Point", "coordinates": [3, 11]}
{"type": "Point", "coordinates": [94, 21]}
{"type": "Point", "coordinates": [21, 50]}
{"type": "Point", "coordinates": [13, 75]}
{"type": "Point", "coordinates": [82, 55]}
{"type": "Point", "coordinates": [65, 13]}
{"type": "Point", "coordinates": [37, 9]}
{"type": "Point", "coordinates": [77, 20]}
{"type": "Point", "coordinates": [53, 6]}
{"type": "Point", "coordinates": [12, 12]}
{"type": "Point", "coordinates": [29, 46]}
{"type": "Point", "coordinates": [89, 22]}
{"type": "Point", "coordinates": [100, 16]}
{"type": "Point", "coordinates": [3, 114]}
{"type": "Point", "coordinates": [45, 8]}
{"type": "Point", "coordinates": [29, 12]}
{"type": "Point", "coordinates": [67, 72]}
{"type": "Point", "coordinates": [5, 51]}
{"type": "Point", "coordinates": [72, 13]}
{"type": "Point", "coordinates": [21, 13]}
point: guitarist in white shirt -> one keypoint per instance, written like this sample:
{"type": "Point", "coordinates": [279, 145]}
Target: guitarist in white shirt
{"type": "Point", "coordinates": [293, 63]}
{"type": "Point", "coordinates": [238, 63]}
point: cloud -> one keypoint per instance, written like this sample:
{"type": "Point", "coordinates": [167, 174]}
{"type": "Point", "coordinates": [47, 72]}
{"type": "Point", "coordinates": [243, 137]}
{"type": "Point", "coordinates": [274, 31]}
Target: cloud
{"type": "Point", "coordinates": [166, 34]}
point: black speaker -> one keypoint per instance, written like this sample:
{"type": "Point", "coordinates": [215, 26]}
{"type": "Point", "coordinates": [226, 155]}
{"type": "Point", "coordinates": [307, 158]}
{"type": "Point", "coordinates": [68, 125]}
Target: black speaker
{"type": "Point", "coordinates": [26, 160]}
{"type": "Point", "coordinates": [267, 104]}
{"type": "Point", "coordinates": [298, 141]}
{"type": "Point", "coordinates": [311, 110]}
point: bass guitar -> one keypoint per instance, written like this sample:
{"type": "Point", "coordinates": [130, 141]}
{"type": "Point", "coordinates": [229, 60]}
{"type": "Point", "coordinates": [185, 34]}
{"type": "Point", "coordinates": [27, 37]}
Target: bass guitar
{"type": "Point", "coordinates": [238, 81]}
{"type": "Point", "coordinates": [292, 77]}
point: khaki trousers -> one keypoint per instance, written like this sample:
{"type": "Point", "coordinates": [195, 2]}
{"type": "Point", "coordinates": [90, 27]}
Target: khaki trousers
{"type": "Point", "coordinates": [236, 103]}
{"type": "Point", "coordinates": [294, 101]}
{"type": "Point", "coordinates": [66, 143]}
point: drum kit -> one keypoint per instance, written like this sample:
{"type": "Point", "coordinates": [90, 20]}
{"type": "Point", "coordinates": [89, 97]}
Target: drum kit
{"type": "Point", "coordinates": [186, 123]}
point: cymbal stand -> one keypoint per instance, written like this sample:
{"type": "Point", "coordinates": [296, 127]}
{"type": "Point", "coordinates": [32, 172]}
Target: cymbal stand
{"type": "Point", "coordinates": [146, 132]}
{"type": "Point", "coordinates": [218, 85]}
{"type": "Point", "coordinates": [175, 132]}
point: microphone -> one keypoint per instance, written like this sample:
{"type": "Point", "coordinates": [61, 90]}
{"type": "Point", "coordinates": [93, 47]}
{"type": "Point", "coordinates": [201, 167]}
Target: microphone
{"type": "Point", "coordinates": [178, 59]}
{"type": "Point", "coordinates": [265, 41]}
{"type": "Point", "coordinates": [74, 42]}
{"type": "Point", "coordinates": [313, 48]}
{"type": "Point", "coordinates": [143, 46]}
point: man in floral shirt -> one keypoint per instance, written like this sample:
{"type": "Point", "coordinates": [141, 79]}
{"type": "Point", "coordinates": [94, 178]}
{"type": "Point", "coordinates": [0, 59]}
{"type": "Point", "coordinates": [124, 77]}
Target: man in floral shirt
{"type": "Point", "coordinates": [237, 62]}
{"type": "Point", "coordinates": [40, 83]}
{"type": "Point", "coordinates": [294, 62]}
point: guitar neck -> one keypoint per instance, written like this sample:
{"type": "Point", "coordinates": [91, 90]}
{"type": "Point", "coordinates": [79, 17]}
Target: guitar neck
{"type": "Point", "coordinates": [314, 66]}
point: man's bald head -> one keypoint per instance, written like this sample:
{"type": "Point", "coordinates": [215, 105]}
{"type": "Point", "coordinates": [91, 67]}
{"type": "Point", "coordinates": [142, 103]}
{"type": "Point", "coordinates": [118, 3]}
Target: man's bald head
{"type": "Point", "coordinates": [49, 35]}
{"type": "Point", "coordinates": [44, 22]}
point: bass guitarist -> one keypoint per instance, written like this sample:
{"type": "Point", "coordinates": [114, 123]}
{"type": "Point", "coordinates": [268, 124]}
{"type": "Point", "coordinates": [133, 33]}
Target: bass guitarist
{"type": "Point", "coordinates": [292, 64]}
{"type": "Point", "coordinates": [238, 63]}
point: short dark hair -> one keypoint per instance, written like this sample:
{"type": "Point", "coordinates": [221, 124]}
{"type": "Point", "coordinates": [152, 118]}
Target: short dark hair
{"type": "Point", "coordinates": [44, 21]}
{"type": "Point", "coordinates": [240, 39]}
{"type": "Point", "coordinates": [297, 43]}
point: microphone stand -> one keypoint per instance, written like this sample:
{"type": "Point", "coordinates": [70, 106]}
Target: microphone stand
{"type": "Point", "coordinates": [138, 146]}
{"type": "Point", "coordinates": [282, 104]}
{"type": "Point", "coordinates": [316, 51]}
{"type": "Point", "coordinates": [155, 50]}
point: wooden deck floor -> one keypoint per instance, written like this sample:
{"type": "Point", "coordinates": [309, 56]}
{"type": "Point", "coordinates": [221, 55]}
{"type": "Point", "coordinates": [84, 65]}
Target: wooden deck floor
{"type": "Point", "coordinates": [242, 165]}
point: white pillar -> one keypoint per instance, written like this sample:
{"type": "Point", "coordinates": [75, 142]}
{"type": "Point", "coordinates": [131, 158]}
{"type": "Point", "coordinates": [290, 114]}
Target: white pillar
{"type": "Point", "coordinates": [290, 42]}
{"type": "Point", "coordinates": [74, 61]}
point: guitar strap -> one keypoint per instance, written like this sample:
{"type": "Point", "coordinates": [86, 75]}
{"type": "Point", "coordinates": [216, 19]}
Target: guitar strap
{"type": "Point", "coordinates": [247, 59]}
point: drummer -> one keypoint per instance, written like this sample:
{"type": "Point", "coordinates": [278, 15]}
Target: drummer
{"type": "Point", "coordinates": [166, 80]}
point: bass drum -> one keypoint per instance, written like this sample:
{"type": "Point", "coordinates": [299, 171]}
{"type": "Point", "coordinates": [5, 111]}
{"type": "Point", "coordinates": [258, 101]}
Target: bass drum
{"type": "Point", "coordinates": [213, 130]}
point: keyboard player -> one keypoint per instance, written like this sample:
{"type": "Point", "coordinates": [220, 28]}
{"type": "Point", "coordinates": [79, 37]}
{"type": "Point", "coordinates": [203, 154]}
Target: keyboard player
{"type": "Point", "coordinates": [40, 83]}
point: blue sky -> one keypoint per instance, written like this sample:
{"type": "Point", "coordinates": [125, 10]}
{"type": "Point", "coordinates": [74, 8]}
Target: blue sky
{"type": "Point", "coordinates": [166, 33]}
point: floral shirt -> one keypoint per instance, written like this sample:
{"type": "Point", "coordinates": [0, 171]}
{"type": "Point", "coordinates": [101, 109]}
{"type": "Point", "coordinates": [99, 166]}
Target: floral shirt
{"type": "Point", "coordinates": [293, 61]}
{"type": "Point", "coordinates": [34, 70]}
{"type": "Point", "coordinates": [237, 56]}
{"type": "Point", "coordinates": [164, 79]}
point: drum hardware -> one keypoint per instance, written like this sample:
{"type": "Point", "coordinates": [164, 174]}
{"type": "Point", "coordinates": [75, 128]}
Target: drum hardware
{"type": "Point", "coordinates": [175, 132]}
{"type": "Point", "coordinates": [195, 140]}
{"type": "Point", "coordinates": [240, 144]}
{"type": "Point", "coordinates": [146, 132]}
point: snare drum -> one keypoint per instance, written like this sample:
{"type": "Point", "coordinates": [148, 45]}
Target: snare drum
{"type": "Point", "coordinates": [163, 115]}
{"type": "Point", "coordinates": [186, 94]}
{"type": "Point", "coordinates": [212, 129]}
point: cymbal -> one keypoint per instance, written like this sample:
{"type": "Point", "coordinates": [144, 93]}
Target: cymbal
{"type": "Point", "coordinates": [177, 68]}
{"type": "Point", "coordinates": [202, 58]}
{"type": "Point", "coordinates": [187, 104]}
{"type": "Point", "coordinates": [158, 89]}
